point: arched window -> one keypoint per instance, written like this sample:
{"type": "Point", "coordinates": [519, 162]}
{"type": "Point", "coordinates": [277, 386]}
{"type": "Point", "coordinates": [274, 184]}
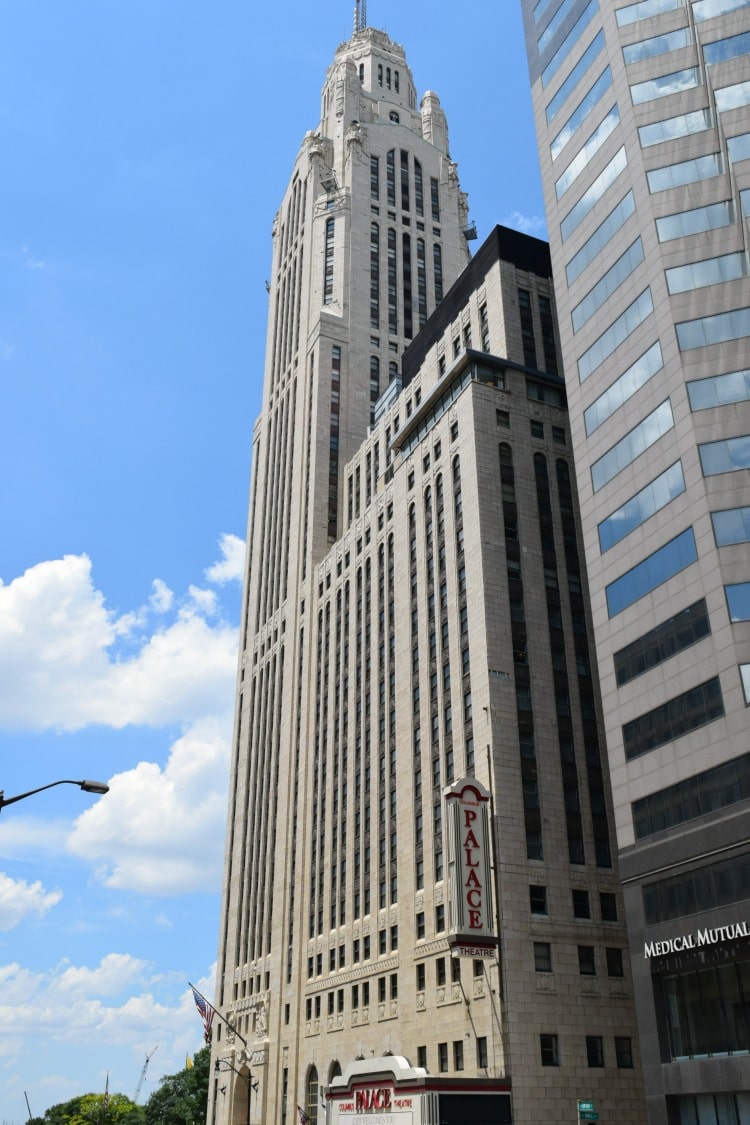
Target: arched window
{"type": "Point", "coordinates": [311, 1096]}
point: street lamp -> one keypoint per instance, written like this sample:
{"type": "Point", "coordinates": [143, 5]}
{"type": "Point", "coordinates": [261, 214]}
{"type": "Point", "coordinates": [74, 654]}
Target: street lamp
{"type": "Point", "coordinates": [224, 1064]}
{"type": "Point", "coordinates": [87, 786]}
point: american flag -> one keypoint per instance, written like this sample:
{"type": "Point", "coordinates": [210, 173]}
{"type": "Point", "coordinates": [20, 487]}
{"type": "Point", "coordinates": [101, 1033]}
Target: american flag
{"type": "Point", "coordinates": [206, 1014]}
{"type": "Point", "coordinates": [303, 1118]}
{"type": "Point", "coordinates": [105, 1099]}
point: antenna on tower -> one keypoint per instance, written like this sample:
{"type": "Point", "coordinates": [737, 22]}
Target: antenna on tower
{"type": "Point", "coordinates": [360, 15]}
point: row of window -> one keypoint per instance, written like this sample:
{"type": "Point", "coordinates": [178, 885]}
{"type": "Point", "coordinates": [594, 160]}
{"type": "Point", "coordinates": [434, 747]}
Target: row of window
{"type": "Point", "coordinates": [581, 903]}
{"type": "Point", "coordinates": [693, 892]}
{"type": "Point", "coordinates": [586, 959]}
{"type": "Point", "coordinates": [678, 716]}
{"type": "Point", "coordinates": [651, 572]}
{"type": "Point", "coordinates": [564, 50]}
{"type": "Point", "coordinates": [706, 792]}
{"type": "Point", "coordinates": [619, 330]}
{"type": "Point", "coordinates": [549, 1046]}
{"type": "Point", "coordinates": [639, 508]}
{"type": "Point", "coordinates": [458, 1055]}
{"type": "Point", "coordinates": [632, 445]}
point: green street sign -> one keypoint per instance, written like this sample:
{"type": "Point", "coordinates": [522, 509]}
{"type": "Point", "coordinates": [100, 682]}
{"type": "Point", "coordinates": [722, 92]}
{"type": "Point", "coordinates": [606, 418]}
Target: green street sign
{"type": "Point", "coordinates": [587, 1115]}
{"type": "Point", "coordinates": [586, 1105]}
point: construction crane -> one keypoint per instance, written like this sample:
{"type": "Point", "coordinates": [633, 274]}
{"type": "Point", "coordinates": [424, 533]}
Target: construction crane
{"type": "Point", "coordinates": [142, 1079]}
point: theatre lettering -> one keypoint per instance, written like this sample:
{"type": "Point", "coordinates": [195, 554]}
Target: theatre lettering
{"type": "Point", "coordinates": [683, 942]}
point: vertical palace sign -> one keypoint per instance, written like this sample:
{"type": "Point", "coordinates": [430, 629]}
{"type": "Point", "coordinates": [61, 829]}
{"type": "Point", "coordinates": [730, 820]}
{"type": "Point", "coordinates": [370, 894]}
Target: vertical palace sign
{"type": "Point", "coordinates": [472, 929]}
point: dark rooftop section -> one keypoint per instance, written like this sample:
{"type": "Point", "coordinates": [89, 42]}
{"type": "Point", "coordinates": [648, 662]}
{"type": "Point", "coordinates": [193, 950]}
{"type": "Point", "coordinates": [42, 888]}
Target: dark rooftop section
{"type": "Point", "coordinates": [502, 245]}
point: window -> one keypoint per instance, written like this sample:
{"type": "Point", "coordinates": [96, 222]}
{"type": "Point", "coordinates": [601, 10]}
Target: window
{"type": "Point", "coordinates": [639, 373]}
{"type": "Point", "coordinates": [659, 644]}
{"type": "Point", "coordinates": [707, 1018]}
{"type": "Point", "coordinates": [614, 962]}
{"type": "Point", "coordinates": [422, 1057]}
{"type": "Point", "coordinates": [608, 906]}
{"type": "Point", "coordinates": [719, 390]}
{"type": "Point", "coordinates": [721, 50]}
{"type": "Point", "coordinates": [653, 571]}
{"type": "Point", "coordinates": [716, 329]}
{"type": "Point", "coordinates": [542, 957]}
{"type": "Point", "coordinates": [707, 9]}
{"type": "Point", "coordinates": [502, 417]}
{"type": "Point", "coordinates": [458, 1054]}
{"type": "Point", "coordinates": [628, 448]}
{"type": "Point", "coordinates": [537, 428]}
{"type": "Point", "coordinates": [624, 1052]}
{"type": "Point", "coordinates": [581, 908]}
{"type": "Point", "coordinates": [664, 85]}
{"type": "Point", "coordinates": [686, 172]}
{"type": "Point", "coordinates": [608, 284]}
{"type": "Point", "coordinates": [710, 271]}
{"type": "Point", "coordinates": [703, 793]}
{"type": "Point", "coordinates": [738, 600]}
{"type": "Point", "coordinates": [581, 112]}
{"type": "Point", "coordinates": [682, 125]}
{"type": "Point", "coordinates": [440, 974]}
{"type": "Point", "coordinates": [442, 1057]}
{"type": "Point", "coordinates": [538, 899]}
{"type": "Point", "coordinates": [482, 1052]}
{"type": "Point", "coordinates": [644, 9]}
{"type": "Point", "coordinates": [731, 526]}
{"type": "Point", "coordinates": [718, 885]}
{"type": "Point", "coordinates": [440, 918]}
{"type": "Point", "coordinates": [651, 499]}
{"type": "Point", "coordinates": [594, 1050]}
{"type": "Point", "coordinates": [554, 25]}
{"type": "Point", "coordinates": [558, 435]}
{"type": "Point", "coordinates": [420, 925]}
{"type": "Point", "coordinates": [612, 337]}
{"type": "Point", "coordinates": [678, 716]}
{"type": "Point", "coordinates": [591, 197]}
{"type": "Point", "coordinates": [587, 152]}
{"type": "Point", "coordinates": [329, 249]}
{"type": "Point", "coordinates": [725, 456]}
{"type": "Point", "coordinates": [421, 977]}
{"type": "Point", "coordinates": [382, 949]}
{"type": "Point", "coordinates": [586, 961]}
{"type": "Point", "coordinates": [657, 45]}
{"type": "Point", "coordinates": [695, 221]}
{"type": "Point", "coordinates": [603, 234]}
{"type": "Point", "coordinates": [394, 986]}
{"type": "Point", "coordinates": [575, 76]}
{"type": "Point", "coordinates": [565, 48]}
{"type": "Point", "coordinates": [549, 1050]}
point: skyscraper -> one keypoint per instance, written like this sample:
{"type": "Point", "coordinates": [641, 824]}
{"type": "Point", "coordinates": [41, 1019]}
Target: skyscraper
{"type": "Point", "coordinates": [414, 616]}
{"type": "Point", "coordinates": [642, 119]}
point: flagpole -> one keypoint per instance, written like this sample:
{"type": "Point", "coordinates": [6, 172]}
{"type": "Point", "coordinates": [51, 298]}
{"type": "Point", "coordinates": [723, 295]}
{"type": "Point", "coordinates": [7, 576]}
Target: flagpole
{"type": "Point", "coordinates": [218, 1013]}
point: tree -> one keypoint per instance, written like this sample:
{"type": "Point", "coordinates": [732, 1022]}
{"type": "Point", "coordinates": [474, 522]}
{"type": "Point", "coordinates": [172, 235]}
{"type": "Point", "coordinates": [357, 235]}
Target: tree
{"type": "Point", "coordinates": [181, 1098]}
{"type": "Point", "coordinates": [89, 1109]}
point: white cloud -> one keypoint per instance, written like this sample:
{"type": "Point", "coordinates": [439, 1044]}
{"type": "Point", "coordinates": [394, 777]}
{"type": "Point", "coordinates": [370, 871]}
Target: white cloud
{"type": "Point", "coordinates": [18, 899]}
{"type": "Point", "coordinates": [231, 566]}
{"type": "Point", "coordinates": [161, 831]}
{"type": "Point", "coordinates": [162, 598]}
{"type": "Point", "coordinates": [66, 661]}
{"type": "Point", "coordinates": [528, 224]}
{"type": "Point", "coordinates": [114, 972]}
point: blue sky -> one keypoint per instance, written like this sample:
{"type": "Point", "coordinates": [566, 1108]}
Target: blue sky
{"type": "Point", "coordinates": [147, 145]}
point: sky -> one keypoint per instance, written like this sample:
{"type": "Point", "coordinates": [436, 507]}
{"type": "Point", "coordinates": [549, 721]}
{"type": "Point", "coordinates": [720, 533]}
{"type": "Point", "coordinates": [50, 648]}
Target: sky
{"type": "Point", "coordinates": [147, 147]}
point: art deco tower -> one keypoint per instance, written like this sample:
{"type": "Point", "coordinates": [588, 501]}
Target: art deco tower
{"type": "Point", "coordinates": [414, 615]}
{"type": "Point", "coordinates": [643, 120]}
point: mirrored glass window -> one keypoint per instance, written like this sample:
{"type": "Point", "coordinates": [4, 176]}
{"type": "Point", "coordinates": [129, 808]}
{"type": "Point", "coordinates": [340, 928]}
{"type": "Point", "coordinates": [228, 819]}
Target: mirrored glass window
{"type": "Point", "coordinates": [707, 9]}
{"type": "Point", "coordinates": [685, 172]}
{"type": "Point", "coordinates": [711, 271]}
{"type": "Point", "coordinates": [623, 388]}
{"type": "Point", "coordinates": [653, 571]}
{"type": "Point", "coordinates": [642, 506]}
{"type": "Point", "coordinates": [724, 49]}
{"type": "Point", "coordinates": [631, 13]}
{"type": "Point", "coordinates": [725, 456]}
{"type": "Point", "coordinates": [657, 45]}
{"type": "Point", "coordinates": [716, 329]}
{"type": "Point", "coordinates": [618, 331]}
{"type": "Point", "coordinates": [738, 600]}
{"type": "Point", "coordinates": [555, 24]}
{"type": "Point", "coordinates": [640, 438]}
{"type": "Point", "coordinates": [732, 97]}
{"type": "Point", "coordinates": [570, 40]}
{"type": "Point", "coordinates": [719, 390]}
{"type": "Point", "coordinates": [581, 112]}
{"type": "Point", "coordinates": [739, 147]}
{"type": "Point", "coordinates": [591, 197]}
{"type": "Point", "coordinates": [675, 83]}
{"type": "Point", "coordinates": [607, 285]}
{"type": "Point", "coordinates": [678, 716]}
{"type": "Point", "coordinates": [589, 150]}
{"type": "Point", "coordinates": [731, 526]}
{"type": "Point", "coordinates": [586, 60]}
{"type": "Point", "coordinates": [617, 218]}
{"type": "Point", "coordinates": [683, 125]}
{"type": "Point", "coordinates": [695, 221]}
{"type": "Point", "coordinates": [679, 632]}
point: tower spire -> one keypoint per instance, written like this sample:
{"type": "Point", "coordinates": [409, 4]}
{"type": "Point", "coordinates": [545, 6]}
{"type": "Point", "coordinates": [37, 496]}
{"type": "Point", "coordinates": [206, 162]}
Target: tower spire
{"type": "Point", "coordinates": [360, 15]}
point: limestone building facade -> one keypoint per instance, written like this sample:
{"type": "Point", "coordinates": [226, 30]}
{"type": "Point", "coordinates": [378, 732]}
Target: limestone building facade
{"type": "Point", "coordinates": [415, 612]}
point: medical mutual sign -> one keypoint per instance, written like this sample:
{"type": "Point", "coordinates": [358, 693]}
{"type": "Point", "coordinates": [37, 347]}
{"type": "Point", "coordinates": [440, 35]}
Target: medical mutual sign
{"type": "Point", "coordinates": [472, 929]}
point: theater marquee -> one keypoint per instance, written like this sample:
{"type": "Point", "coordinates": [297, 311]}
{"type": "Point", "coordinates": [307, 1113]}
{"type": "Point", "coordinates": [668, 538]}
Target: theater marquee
{"type": "Point", "coordinates": [472, 928]}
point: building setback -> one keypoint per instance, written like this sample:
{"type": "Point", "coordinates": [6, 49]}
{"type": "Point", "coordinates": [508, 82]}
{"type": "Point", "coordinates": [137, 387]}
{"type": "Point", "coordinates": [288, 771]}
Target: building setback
{"type": "Point", "coordinates": [415, 614]}
{"type": "Point", "coordinates": [642, 120]}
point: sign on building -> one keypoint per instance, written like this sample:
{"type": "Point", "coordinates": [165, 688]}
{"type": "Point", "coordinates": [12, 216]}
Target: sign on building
{"type": "Point", "coordinates": [472, 926]}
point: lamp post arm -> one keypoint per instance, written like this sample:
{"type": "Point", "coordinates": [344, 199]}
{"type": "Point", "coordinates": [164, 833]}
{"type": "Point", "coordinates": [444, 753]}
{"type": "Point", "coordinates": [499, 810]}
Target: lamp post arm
{"type": "Point", "coordinates": [87, 786]}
